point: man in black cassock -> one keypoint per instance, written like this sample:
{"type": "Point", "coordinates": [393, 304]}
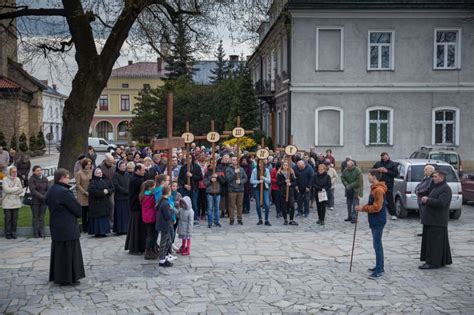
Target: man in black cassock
{"type": "Point", "coordinates": [135, 242]}
{"type": "Point", "coordinates": [435, 250]}
{"type": "Point", "coordinates": [66, 264]}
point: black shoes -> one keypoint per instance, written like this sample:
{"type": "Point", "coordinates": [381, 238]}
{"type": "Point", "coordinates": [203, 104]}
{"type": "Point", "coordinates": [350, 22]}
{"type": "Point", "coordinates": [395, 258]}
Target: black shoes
{"type": "Point", "coordinates": [318, 222]}
{"type": "Point", "coordinates": [209, 225]}
{"type": "Point", "coordinates": [293, 223]}
{"type": "Point", "coordinates": [427, 266]}
{"type": "Point", "coordinates": [240, 222]}
{"type": "Point", "coordinates": [348, 219]}
{"type": "Point", "coordinates": [267, 223]}
{"type": "Point", "coordinates": [218, 224]}
{"type": "Point", "coordinates": [165, 264]}
{"type": "Point", "coordinates": [67, 284]}
{"type": "Point", "coordinates": [231, 222]}
{"type": "Point", "coordinates": [260, 222]}
{"type": "Point", "coordinates": [322, 223]}
{"type": "Point", "coordinates": [286, 222]}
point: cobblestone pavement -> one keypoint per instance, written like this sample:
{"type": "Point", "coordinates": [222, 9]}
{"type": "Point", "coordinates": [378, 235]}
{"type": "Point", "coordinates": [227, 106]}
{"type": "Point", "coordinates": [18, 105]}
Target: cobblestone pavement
{"type": "Point", "coordinates": [250, 269]}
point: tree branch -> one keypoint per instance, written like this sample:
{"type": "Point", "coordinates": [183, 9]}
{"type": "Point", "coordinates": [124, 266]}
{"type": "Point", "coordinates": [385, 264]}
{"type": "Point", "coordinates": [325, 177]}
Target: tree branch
{"type": "Point", "coordinates": [62, 49]}
{"type": "Point", "coordinates": [26, 11]}
{"type": "Point", "coordinates": [102, 21]}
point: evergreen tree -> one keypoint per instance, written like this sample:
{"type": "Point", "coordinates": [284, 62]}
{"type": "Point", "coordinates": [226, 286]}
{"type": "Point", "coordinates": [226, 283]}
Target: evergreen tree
{"type": "Point", "coordinates": [13, 143]}
{"type": "Point", "coordinates": [23, 143]}
{"type": "Point", "coordinates": [3, 143]}
{"type": "Point", "coordinates": [249, 110]}
{"type": "Point", "coordinates": [40, 142]}
{"type": "Point", "coordinates": [220, 71]}
{"type": "Point", "coordinates": [33, 146]}
{"type": "Point", "coordinates": [180, 60]}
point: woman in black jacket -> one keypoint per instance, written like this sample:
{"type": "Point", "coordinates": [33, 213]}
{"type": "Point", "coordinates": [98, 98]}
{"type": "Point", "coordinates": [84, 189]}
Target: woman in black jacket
{"type": "Point", "coordinates": [100, 188]}
{"type": "Point", "coordinates": [121, 182]}
{"type": "Point", "coordinates": [321, 183]}
{"type": "Point", "coordinates": [286, 178]}
{"type": "Point", "coordinates": [38, 185]}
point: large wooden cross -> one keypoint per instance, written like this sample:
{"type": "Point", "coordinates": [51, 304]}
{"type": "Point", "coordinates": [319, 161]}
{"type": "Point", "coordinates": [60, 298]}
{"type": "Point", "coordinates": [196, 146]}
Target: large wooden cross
{"type": "Point", "coordinates": [262, 155]}
{"type": "Point", "coordinates": [170, 142]}
{"type": "Point", "coordinates": [290, 150]}
{"type": "Point", "coordinates": [213, 137]}
{"type": "Point", "coordinates": [238, 132]}
{"type": "Point", "coordinates": [189, 138]}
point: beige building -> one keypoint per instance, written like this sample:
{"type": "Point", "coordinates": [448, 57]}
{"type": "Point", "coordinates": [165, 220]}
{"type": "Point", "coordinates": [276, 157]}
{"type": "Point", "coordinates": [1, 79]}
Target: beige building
{"type": "Point", "coordinates": [20, 93]}
{"type": "Point", "coordinates": [115, 107]}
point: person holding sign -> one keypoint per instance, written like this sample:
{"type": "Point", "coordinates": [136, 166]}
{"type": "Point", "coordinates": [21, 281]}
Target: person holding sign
{"type": "Point", "coordinates": [258, 181]}
{"type": "Point", "coordinates": [286, 181]}
{"type": "Point", "coordinates": [321, 184]}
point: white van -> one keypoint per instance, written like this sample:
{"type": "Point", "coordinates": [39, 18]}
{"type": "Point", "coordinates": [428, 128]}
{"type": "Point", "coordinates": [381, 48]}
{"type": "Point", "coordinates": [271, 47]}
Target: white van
{"type": "Point", "coordinates": [100, 144]}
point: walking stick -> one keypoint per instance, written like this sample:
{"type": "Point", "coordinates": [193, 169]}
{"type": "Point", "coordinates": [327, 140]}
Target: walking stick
{"type": "Point", "coordinates": [353, 242]}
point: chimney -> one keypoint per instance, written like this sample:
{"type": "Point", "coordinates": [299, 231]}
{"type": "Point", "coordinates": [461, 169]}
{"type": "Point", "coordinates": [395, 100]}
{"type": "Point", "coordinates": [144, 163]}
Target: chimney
{"type": "Point", "coordinates": [233, 58]}
{"type": "Point", "coordinates": [55, 87]}
{"type": "Point", "coordinates": [160, 64]}
{"type": "Point", "coordinates": [130, 62]}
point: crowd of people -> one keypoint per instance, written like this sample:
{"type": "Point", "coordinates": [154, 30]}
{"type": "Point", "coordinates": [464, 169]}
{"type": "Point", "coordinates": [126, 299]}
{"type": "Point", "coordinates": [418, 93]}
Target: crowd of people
{"type": "Point", "coordinates": [131, 192]}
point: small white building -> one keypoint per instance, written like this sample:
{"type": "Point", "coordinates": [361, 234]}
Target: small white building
{"type": "Point", "coordinates": [53, 106]}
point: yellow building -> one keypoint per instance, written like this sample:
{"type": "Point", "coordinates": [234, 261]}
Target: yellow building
{"type": "Point", "coordinates": [115, 106]}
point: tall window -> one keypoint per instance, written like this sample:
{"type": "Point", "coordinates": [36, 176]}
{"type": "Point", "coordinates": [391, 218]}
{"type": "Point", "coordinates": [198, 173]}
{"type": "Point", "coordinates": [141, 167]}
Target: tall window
{"type": "Point", "coordinates": [124, 102]}
{"type": "Point", "coordinates": [329, 48]}
{"type": "Point", "coordinates": [379, 127]}
{"type": "Point", "coordinates": [104, 102]}
{"type": "Point", "coordinates": [329, 118]}
{"type": "Point", "coordinates": [447, 52]}
{"type": "Point", "coordinates": [380, 55]}
{"type": "Point", "coordinates": [445, 127]}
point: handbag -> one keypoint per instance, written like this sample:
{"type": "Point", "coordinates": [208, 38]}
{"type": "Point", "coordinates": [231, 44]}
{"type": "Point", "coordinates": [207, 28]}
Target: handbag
{"type": "Point", "coordinates": [27, 198]}
{"type": "Point", "coordinates": [322, 196]}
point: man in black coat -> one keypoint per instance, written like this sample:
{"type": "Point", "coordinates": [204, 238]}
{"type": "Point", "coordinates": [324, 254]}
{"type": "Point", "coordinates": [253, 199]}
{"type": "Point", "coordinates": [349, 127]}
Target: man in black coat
{"type": "Point", "coordinates": [66, 264]}
{"type": "Point", "coordinates": [435, 250]}
{"type": "Point", "coordinates": [389, 171]}
{"type": "Point", "coordinates": [192, 191]}
{"type": "Point", "coordinates": [136, 235]}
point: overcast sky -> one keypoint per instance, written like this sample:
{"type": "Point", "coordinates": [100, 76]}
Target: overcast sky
{"type": "Point", "coordinates": [62, 75]}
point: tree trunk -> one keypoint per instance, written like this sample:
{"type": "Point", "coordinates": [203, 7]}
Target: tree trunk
{"type": "Point", "coordinates": [78, 113]}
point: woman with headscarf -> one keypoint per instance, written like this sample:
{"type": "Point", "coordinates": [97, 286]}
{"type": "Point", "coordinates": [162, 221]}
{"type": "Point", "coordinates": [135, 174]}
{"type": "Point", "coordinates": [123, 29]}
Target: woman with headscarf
{"type": "Point", "coordinates": [100, 189]}
{"type": "Point", "coordinates": [121, 180]}
{"type": "Point", "coordinates": [11, 203]}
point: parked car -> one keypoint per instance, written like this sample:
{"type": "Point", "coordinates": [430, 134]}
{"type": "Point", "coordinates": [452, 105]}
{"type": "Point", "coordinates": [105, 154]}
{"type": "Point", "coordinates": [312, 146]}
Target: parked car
{"type": "Point", "coordinates": [410, 175]}
{"type": "Point", "coordinates": [467, 184]}
{"type": "Point", "coordinates": [445, 154]}
{"type": "Point", "coordinates": [99, 144]}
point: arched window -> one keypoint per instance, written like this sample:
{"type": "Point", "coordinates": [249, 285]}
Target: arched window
{"type": "Point", "coordinates": [104, 129]}
{"type": "Point", "coordinates": [379, 126]}
{"type": "Point", "coordinates": [329, 126]}
{"type": "Point", "coordinates": [445, 126]}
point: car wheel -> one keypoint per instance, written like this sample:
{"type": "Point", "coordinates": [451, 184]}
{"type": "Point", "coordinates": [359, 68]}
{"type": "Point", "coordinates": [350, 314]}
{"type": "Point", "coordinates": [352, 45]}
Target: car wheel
{"type": "Point", "coordinates": [110, 149]}
{"type": "Point", "coordinates": [455, 214]}
{"type": "Point", "coordinates": [401, 211]}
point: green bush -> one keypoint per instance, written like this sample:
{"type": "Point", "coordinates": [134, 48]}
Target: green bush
{"type": "Point", "coordinates": [40, 142]}
{"type": "Point", "coordinates": [23, 143]}
{"type": "Point", "coordinates": [33, 145]}
{"type": "Point", "coordinates": [13, 143]}
{"type": "Point", "coordinates": [3, 143]}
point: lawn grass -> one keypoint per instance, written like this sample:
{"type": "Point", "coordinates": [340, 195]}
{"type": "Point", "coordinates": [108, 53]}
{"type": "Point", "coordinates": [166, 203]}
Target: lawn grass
{"type": "Point", "coordinates": [24, 217]}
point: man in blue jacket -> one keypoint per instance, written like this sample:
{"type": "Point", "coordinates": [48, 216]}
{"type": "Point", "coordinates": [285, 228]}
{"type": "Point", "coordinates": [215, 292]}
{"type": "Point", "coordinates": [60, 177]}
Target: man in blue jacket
{"type": "Point", "coordinates": [304, 178]}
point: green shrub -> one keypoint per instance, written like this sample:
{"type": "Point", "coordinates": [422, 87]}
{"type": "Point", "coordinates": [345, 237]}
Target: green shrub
{"type": "Point", "coordinates": [23, 143]}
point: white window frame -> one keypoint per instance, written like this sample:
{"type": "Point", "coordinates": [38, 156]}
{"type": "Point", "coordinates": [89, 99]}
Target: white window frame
{"type": "Point", "coordinates": [392, 51]}
{"type": "Point", "coordinates": [340, 28]}
{"type": "Point", "coordinates": [390, 125]}
{"type": "Point", "coordinates": [341, 124]}
{"type": "Point", "coordinates": [457, 61]}
{"type": "Point", "coordinates": [457, 123]}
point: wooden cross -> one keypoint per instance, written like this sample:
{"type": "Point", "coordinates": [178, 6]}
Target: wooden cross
{"type": "Point", "coordinates": [262, 155]}
{"type": "Point", "coordinates": [189, 138]}
{"type": "Point", "coordinates": [290, 150]}
{"type": "Point", "coordinates": [238, 132]}
{"type": "Point", "coordinates": [213, 137]}
{"type": "Point", "coordinates": [170, 142]}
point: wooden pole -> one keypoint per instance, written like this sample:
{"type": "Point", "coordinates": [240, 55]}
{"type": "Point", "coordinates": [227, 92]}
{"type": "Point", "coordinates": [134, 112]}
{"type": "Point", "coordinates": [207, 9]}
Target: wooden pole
{"type": "Point", "coordinates": [353, 243]}
{"type": "Point", "coordinates": [238, 150]}
{"type": "Point", "coordinates": [288, 173]}
{"type": "Point", "coordinates": [188, 155]}
{"type": "Point", "coordinates": [262, 174]}
{"type": "Point", "coordinates": [213, 156]}
{"type": "Point", "coordinates": [169, 122]}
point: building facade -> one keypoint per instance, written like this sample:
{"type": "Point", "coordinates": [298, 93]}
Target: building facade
{"type": "Point", "coordinates": [115, 107]}
{"type": "Point", "coordinates": [20, 93]}
{"type": "Point", "coordinates": [53, 107]}
{"type": "Point", "coordinates": [362, 78]}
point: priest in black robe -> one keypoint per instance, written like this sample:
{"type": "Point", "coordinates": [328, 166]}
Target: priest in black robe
{"type": "Point", "coordinates": [135, 242]}
{"type": "Point", "coordinates": [435, 250]}
{"type": "Point", "coordinates": [66, 264]}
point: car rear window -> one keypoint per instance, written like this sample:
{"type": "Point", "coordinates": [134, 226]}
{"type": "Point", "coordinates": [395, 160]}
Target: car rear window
{"type": "Point", "coordinates": [416, 174]}
{"type": "Point", "coordinates": [448, 158]}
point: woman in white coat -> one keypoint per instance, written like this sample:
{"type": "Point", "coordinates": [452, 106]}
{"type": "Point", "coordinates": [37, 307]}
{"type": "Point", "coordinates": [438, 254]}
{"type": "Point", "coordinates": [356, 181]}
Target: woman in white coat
{"type": "Point", "coordinates": [12, 195]}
